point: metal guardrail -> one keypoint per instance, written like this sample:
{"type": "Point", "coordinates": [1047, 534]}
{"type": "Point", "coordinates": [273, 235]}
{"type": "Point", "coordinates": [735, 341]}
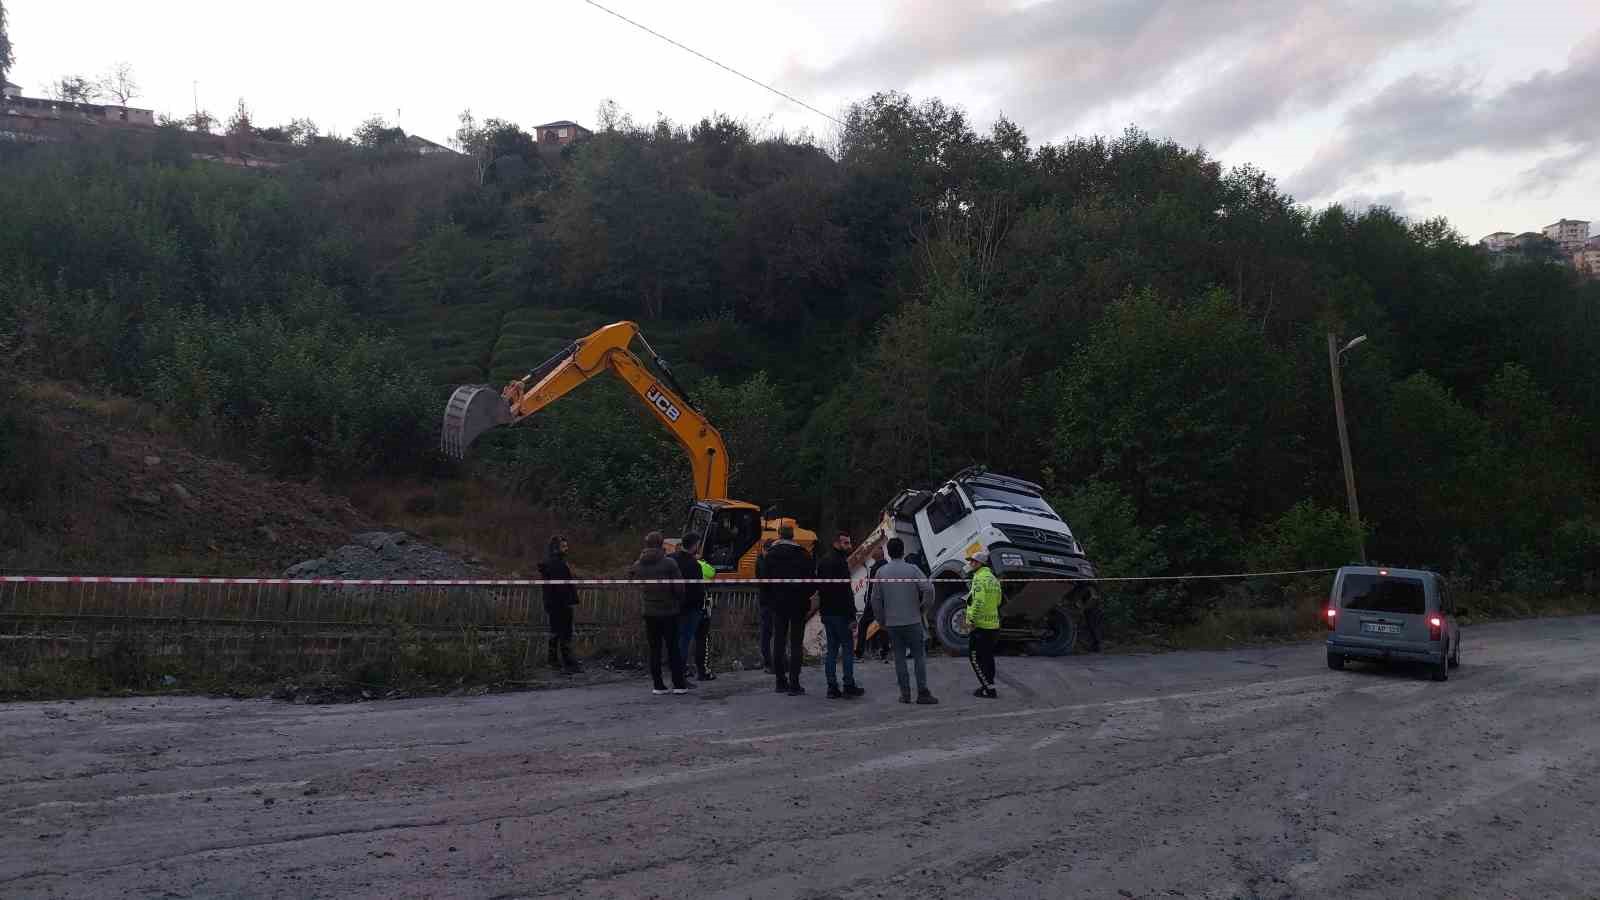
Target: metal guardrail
{"type": "Point", "coordinates": [271, 624]}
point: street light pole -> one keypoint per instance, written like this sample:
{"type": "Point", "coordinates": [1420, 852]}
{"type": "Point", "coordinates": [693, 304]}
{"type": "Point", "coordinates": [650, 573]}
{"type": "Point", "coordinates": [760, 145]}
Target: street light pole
{"type": "Point", "coordinates": [1344, 438]}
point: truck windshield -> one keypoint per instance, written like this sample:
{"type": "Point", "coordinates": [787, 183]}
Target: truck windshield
{"type": "Point", "coordinates": [1377, 593]}
{"type": "Point", "coordinates": [983, 495]}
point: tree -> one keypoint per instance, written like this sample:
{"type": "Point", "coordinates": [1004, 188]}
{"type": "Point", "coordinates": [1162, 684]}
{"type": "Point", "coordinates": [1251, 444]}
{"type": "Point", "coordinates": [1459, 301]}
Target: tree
{"type": "Point", "coordinates": [73, 89]}
{"type": "Point", "coordinates": [1180, 406]}
{"type": "Point", "coordinates": [612, 118]}
{"type": "Point", "coordinates": [200, 121]}
{"type": "Point", "coordinates": [376, 132]}
{"type": "Point", "coordinates": [239, 124]}
{"type": "Point", "coordinates": [1306, 536]}
{"type": "Point", "coordinates": [118, 83]}
{"type": "Point", "coordinates": [300, 131]}
{"type": "Point", "coordinates": [7, 57]}
{"type": "Point", "coordinates": [494, 140]}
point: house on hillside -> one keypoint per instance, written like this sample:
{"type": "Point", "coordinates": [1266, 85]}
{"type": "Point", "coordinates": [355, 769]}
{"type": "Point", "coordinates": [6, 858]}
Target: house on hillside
{"type": "Point", "coordinates": [1497, 242]}
{"type": "Point", "coordinates": [16, 106]}
{"type": "Point", "coordinates": [1587, 260]}
{"type": "Point", "coordinates": [560, 133]}
{"type": "Point", "coordinates": [1569, 234]}
{"type": "Point", "coordinates": [426, 147]}
{"type": "Point", "coordinates": [9, 90]}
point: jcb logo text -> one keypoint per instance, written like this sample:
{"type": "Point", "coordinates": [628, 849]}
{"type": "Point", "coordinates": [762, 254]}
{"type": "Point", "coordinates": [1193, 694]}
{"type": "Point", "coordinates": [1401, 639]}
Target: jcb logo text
{"type": "Point", "coordinates": [662, 404]}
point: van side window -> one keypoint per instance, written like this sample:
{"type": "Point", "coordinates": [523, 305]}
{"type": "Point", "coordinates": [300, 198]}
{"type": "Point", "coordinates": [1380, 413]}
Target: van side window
{"type": "Point", "coordinates": [1446, 604]}
{"type": "Point", "coordinates": [945, 510]}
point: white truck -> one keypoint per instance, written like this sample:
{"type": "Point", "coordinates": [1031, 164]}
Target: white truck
{"type": "Point", "coordinates": [1026, 539]}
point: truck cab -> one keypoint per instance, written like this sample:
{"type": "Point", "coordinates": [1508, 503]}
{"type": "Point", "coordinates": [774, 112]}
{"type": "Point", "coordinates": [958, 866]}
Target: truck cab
{"type": "Point", "coordinates": [1026, 539]}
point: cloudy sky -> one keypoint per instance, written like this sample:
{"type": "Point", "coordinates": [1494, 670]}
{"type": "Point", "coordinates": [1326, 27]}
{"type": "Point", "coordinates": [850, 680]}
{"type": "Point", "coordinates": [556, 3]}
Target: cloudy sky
{"type": "Point", "coordinates": [1485, 112]}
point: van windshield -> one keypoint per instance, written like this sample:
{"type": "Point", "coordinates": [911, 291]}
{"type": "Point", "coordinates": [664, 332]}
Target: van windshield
{"type": "Point", "coordinates": [1379, 593]}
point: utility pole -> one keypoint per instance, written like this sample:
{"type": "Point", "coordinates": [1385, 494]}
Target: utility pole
{"type": "Point", "coordinates": [1344, 441]}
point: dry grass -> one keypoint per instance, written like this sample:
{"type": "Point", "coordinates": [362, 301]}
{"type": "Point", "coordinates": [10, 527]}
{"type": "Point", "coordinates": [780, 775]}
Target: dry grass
{"type": "Point", "coordinates": [112, 408]}
{"type": "Point", "coordinates": [1233, 626]}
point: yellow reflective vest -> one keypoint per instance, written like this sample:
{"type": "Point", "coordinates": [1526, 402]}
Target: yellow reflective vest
{"type": "Point", "coordinates": [983, 599]}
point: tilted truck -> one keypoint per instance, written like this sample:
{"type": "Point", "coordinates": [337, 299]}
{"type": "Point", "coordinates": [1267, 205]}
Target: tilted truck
{"type": "Point", "coordinates": [1026, 539]}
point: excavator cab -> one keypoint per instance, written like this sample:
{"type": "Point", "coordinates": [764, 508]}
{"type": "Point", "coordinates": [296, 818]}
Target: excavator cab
{"type": "Point", "coordinates": [728, 532]}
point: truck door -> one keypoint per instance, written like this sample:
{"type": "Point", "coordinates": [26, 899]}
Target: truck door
{"type": "Point", "coordinates": [944, 525]}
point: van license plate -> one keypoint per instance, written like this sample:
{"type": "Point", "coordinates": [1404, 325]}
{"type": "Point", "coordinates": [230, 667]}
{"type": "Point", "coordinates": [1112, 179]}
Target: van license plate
{"type": "Point", "coordinates": [1379, 628]}
{"type": "Point", "coordinates": [1053, 560]}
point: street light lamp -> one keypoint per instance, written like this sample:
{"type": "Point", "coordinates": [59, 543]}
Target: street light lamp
{"type": "Point", "coordinates": [1335, 356]}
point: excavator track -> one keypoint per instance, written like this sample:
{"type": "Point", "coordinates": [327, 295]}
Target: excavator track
{"type": "Point", "coordinates": [471, 410]}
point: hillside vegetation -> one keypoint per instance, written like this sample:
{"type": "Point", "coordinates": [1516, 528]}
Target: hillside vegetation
{"type": "Point", "coordinates": [1132, 323]}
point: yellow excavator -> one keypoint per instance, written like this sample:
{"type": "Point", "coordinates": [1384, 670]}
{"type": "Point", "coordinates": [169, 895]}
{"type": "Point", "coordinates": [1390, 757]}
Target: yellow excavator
{"type": "Point", "coordinates": [732, 530]}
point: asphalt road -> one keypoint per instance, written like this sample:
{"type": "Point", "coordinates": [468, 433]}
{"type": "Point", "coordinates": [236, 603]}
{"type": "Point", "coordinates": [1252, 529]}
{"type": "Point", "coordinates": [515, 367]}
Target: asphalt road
{"type": "Point", "coordinates": [1243, 773]}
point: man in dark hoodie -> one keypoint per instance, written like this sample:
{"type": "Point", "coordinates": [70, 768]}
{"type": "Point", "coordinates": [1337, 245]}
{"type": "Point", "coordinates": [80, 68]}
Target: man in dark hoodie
{"type": "Point", "coordinates": [559, 600]}
{"type": "Point", "coordinates": [660, 604]}
{"type": "Point", "coordinates": [791, 606]}
{"type": "Point", "coordinates": [693, 613]}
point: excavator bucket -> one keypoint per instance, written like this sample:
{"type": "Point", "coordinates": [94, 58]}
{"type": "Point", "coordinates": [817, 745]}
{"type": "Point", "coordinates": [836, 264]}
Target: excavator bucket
{"type": "Point", "coordinates": [472, 410]}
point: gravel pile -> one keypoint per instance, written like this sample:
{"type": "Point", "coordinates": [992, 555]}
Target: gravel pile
{"type": "Point", "coordinates": [387, 554]}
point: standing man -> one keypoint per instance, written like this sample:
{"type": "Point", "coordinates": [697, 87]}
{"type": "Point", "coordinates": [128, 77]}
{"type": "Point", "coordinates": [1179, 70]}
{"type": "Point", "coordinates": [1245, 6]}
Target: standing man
{"type": "Point", "coordinates": [983, 614]}
{"type": "Point", "coordinates": [766, 596]}
{"type": "Point", "coordinates": [881, 639]}
{"type": "Point", "coordinates": [660, 605]}
{"type": "Point", "coordinates": [702, 634]}
{"type": "Point", "coordinates": [898, 605]}
{"type": "Point", "coordinates": [791, 605]}
{"type": "Point", "coordinates": [687, 559]}
{"type": "Point", "coordinates": [838, 608]}
{"type": "Point", "coordinates": [1094, 618]}
{"type": "Point", "coordinates": [559, 601]}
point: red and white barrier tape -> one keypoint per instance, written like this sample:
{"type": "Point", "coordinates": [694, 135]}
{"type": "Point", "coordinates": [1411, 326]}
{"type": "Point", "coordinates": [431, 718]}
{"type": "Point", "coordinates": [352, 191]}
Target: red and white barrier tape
{"type": "Point", "coordinates": [578, 582]}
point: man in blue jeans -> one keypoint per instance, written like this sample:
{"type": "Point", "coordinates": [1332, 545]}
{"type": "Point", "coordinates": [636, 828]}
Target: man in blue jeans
{"type": "Point", "coordinates": [694, 599]}
{"type": "Point", "coordinates": [837, 607]}
{"type": "Point", "coordinates": [897, 603]}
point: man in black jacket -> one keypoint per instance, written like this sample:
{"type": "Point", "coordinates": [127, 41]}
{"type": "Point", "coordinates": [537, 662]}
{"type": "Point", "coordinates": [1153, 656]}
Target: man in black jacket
{"type": "Point", "coordinates": [659, 601]}
{"type": "Point", "coordinates": [767, 616]}
{"type": "Point", "coordinates": [559, 600]}
{"type": "Point", "coordinates": [791, 606]}
{"type": "Point", "coordinates": [837, 606]}
{"type": "Point", "coordinates": [693, 612]}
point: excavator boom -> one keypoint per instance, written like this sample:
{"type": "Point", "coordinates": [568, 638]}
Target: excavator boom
{"type": "Point", "coordinates": [474, 409]}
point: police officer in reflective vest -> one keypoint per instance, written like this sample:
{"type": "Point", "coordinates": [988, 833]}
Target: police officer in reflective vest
{"type": "Point", "coordinates": [983, 615]}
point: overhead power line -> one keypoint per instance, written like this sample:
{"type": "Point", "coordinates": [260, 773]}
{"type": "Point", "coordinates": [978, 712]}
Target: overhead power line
{"type": "Point", "coordinates": [787, 96]}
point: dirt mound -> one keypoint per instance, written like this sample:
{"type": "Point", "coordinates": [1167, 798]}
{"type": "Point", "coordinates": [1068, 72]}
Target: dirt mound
{"type": "Point", "coordinates": [388, 554]}
{"type": "Point", "coordinates": [117, 497]}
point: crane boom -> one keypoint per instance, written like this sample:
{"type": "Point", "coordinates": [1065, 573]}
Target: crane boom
{"type": "Point", "coordinates": [474, 409]}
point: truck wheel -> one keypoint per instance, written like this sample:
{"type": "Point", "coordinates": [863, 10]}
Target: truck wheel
{"type": "Point", "coordinates": [950, 624]}
{"type": "Point", "coordinates": [1060, 633]}
{"type": "Point", "coordinates": [1441, 669]}
{"type": "Point", "coordinates": [1335, 660]}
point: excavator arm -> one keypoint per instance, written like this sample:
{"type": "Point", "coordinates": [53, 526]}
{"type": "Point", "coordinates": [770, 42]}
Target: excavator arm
{"type": "Point", "coordinates": [474, 409]}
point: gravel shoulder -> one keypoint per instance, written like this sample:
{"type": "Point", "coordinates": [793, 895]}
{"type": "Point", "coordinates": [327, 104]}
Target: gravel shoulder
{"type": "Point", "coordinates": [1201, 774]}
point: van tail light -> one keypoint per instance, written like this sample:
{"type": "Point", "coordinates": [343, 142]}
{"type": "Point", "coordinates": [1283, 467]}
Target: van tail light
{"type": "Point", "coordinates": [1333, 617]}
{"type": "Point", "coordinates": [1435, 627]}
